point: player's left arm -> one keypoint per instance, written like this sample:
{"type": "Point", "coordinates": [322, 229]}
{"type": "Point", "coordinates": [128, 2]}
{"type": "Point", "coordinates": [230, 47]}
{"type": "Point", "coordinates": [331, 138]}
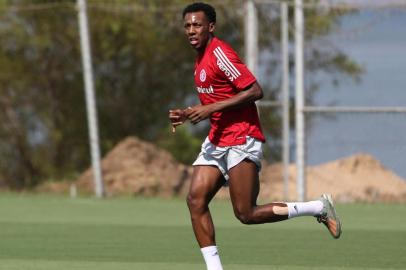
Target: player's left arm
{"type": "Point", "coordinates": [200, 112]}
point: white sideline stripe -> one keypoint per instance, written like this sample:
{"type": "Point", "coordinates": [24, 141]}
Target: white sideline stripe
{"type": "Point", "coordinates": [226, 62]}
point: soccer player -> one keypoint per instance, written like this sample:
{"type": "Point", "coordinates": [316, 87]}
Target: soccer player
{"type": "Point", "coordinates": [232, 150]}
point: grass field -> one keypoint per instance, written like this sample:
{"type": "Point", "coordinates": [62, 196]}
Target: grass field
{"type": "Point", "coordinates": [44, 232]}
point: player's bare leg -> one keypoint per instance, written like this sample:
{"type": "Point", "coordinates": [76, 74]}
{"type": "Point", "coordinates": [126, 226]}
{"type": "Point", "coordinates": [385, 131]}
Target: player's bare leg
{"type": "Point", "coordinates": [206, 181]}
{"type": "Point", "coordinates": [244, 189]}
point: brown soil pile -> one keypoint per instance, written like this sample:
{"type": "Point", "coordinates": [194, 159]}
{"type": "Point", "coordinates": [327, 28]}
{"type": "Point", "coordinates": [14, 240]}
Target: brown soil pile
{"type": "Point", "coordinates": [356, 178]}
{"type": "Point", "coordinates": [140, 168]}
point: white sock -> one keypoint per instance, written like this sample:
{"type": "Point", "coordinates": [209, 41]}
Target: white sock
{"type": "Point", "coordinates": [297, 209]}
{"type": "Point", "coordinates": [212, 258]}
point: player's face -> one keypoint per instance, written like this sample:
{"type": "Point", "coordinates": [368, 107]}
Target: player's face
{"type": "Point", "coordinates": [198, 29]}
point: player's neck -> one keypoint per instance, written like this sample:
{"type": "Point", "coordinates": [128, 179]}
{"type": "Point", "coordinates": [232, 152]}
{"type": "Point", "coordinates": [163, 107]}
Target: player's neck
{"type": "Point", "coordinates": [201, 51]}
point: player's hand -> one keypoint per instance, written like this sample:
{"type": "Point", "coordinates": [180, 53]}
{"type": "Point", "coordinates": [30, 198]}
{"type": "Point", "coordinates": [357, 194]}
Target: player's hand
{"type": "Point", "coordinates": [177, 117]}
{"type": "Point", "coordinates": [198, 113]}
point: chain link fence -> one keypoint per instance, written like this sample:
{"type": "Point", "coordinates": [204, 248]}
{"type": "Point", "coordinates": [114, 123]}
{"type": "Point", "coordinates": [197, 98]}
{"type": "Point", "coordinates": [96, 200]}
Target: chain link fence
{"type": "Point", "coordinates": [366, 115]}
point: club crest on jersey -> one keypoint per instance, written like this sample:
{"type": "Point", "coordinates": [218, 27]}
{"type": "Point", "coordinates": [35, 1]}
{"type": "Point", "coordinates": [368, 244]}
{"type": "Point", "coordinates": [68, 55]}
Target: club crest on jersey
{"type": "Point", "coordinates": [202, 75]}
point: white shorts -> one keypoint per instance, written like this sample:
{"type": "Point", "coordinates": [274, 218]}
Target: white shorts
{"type": "Point", "coordinates": [227, 157]}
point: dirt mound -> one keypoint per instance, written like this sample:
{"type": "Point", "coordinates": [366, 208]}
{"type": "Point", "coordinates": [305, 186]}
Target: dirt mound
{"type": "Point", "coordinates": [360, 177]}
{"type": "Point", "coordinates": [140, 168]}
{"type": "Point", "coordinates": [356, 178]}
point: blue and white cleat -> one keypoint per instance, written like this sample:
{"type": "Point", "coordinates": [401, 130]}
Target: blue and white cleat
{"type": "Point", "coordinates": [329, 217]}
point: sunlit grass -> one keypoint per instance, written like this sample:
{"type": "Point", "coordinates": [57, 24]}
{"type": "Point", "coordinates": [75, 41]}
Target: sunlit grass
{"type": "Point", "coordinates": [41, 232]}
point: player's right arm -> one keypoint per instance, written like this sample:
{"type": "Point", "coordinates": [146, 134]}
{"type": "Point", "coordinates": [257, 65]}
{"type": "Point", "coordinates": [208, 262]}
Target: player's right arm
{"type": "Point", "coordinates": [200, 112]}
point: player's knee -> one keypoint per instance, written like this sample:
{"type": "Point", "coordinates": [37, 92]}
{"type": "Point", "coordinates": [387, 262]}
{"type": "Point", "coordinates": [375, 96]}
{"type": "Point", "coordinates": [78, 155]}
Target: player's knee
{"type": "Point", "coordinates": [195, 203]}
{"type": "Point", "coordinates": [245, 217]}
{"type": "Point", "coordinates": [190, 200]}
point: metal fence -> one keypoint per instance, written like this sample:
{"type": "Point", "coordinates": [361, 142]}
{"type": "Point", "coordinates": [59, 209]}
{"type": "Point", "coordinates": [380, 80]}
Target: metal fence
{"type": "Point", "coordinates": [353, 100]}
{"type": "Point", "coordinates": [364, 115]}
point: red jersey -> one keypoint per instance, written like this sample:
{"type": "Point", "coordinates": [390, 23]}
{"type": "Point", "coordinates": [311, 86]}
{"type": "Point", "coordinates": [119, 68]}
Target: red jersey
{"type": "Point", "coordinates": [220, 74]}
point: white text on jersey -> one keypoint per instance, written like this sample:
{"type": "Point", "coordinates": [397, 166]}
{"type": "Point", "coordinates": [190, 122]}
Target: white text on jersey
{"type": "Point", "coordinates": [225, 65]}
{"type": "Point", "coordinates": [203, 90]}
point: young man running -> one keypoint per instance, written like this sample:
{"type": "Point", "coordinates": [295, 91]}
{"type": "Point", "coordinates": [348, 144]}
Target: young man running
{"type": "Point", "coordinates": [233, 149]}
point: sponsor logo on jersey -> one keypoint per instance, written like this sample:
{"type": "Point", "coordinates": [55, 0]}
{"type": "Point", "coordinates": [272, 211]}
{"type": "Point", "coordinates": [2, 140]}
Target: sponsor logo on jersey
{"type": "Point", "coordinates": [202, 75]}
{"type": "Point", "coordinates": [225, 65]}
{"type": "Point", "coordinates": [205, 90]}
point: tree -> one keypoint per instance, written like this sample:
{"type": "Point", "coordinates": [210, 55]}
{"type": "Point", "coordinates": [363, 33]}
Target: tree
{"type": "Point", "coordinates": [40, 105]}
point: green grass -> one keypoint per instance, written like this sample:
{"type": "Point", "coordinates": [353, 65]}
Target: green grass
{"type": "Point", "coordinates": [44, 232]}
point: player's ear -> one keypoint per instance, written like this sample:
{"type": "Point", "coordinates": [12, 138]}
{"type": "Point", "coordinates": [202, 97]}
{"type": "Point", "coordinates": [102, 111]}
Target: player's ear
{"type": "Point", "coordinates": [212, 26]}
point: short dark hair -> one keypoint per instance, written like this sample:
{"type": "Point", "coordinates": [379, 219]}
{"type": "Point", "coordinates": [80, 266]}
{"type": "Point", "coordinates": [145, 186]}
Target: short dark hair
{"type": "Point", "coordinates": [208, 10]}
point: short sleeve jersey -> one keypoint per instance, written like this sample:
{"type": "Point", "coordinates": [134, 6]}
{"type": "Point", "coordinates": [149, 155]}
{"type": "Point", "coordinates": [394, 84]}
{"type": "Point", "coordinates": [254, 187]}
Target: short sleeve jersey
{"type": "Point", "coordinates": [219, 75]}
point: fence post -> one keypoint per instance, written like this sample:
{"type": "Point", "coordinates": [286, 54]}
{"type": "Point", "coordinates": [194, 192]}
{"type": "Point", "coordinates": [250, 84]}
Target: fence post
{"type": "Point", "coordinates": [251, 36]}
{"type": "Point", "coordinates": [285, 97]}
{"type": "Point", "coordinates": [299, 89]}
{"type": "Point", "coordinates": [90, 97]}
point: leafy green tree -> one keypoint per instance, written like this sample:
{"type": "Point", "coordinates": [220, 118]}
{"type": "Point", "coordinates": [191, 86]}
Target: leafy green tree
{"type": "Point", "coordinates": [40, 104]}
